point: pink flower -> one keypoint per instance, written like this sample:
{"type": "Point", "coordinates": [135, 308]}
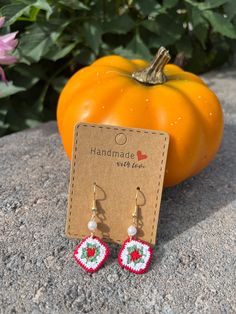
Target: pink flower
{"type": "Point", "coordinates": [2, 20]}
{"type": "Point", "coordinates": [7, 44]}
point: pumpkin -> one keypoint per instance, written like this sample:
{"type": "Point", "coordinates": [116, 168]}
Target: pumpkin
{"type": "Point", "coordinates": [160, 96]}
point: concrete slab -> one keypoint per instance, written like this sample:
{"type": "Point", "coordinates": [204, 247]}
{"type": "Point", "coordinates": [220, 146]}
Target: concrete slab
{"type": "Point", "coordinates": [193, 269]}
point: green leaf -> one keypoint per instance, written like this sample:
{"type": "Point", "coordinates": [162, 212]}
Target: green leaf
{"type": "Point", "coordinates": [220, 24]}
{"type": "Point", "coordinates": [138, 47]}
{"type": "Point", "coordinates": [44, 5]}
{"type": "Point", "coordinates": [74, 4]}
{"type": "Point", "coordinates": [34, 45]}
{"type": "Point", "coordinates": [200, 32]}
{"type": "Point", "coordinates": [3, 110]}
{"type": "Point", "coordinates": [170, 3]}
{"type": "Point", "coordinates": [184, 46]}
{"type": "Point", "coordinates": [58, 83]}
{"type": "Point", "coordinates": [196, 16]}
{"type": "Point", "coordinates": [9, 89]}
{"type": "Point", "coordinates": [39, 39]}
{"type": "Point", "coordinates": [31, 123]}
{"type": "Point", "coordinates": [56, 53]}
{"type": "Point", "coordinates": [230, 9]}
{"type": "Point", "coordinates": [92, 33]}
{"type": "Point", "coordinates": [208, 4]}
{"type": "Point", "coordinates": [85, 56]}
{"type": "Point", "coordinates": [118, 24]}
{"type": "Point", "coordinates": [126, 53]}
{"type": "Point", "coordinates": [33, 13]}
{"type": "Point", "coordinates": [150, 25]}
{"type": "Point", "coordinates": [146, 7]}
{"type": "Point", "coordinates": [211, 4]}
{"type": "Point", "coordinates": [26, 76]}
{"type": "Point", "coordinates": [15, 11]}
{"type": "Point", "coordinates": [166, 31]}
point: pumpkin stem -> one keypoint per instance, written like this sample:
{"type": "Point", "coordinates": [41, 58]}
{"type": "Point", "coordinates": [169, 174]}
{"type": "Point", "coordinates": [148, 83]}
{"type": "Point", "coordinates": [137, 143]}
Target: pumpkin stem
{"type": "Point", "coordinates": [153, 74]}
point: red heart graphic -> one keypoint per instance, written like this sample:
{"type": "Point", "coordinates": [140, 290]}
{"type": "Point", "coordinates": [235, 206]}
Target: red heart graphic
{"type": "Point", "coordinates": [140, 155]}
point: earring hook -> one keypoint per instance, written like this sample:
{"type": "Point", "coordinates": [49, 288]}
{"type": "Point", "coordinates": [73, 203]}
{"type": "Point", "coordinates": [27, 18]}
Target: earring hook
{"type": "Point", "coordinates": [94, 191]}
{"type": "Point", "coordinates": [135, 213]}
{"type": "Point", "coordinates": [136, 196]}
{"type": "Point", "coordinates": [94, 207]}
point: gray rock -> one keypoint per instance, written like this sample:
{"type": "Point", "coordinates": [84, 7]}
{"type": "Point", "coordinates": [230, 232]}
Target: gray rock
{"type": "Point", "coordinates": [193, 269]}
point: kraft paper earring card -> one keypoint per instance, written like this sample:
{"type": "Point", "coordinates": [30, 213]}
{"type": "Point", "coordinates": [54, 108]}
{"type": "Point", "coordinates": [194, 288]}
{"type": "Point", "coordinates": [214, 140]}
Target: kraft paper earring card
{"type": "Point", "coordinates": [118, 160]}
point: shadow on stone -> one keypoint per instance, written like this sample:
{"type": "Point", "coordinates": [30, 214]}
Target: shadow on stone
{"type": "Point", "coordinates": [198, 198]}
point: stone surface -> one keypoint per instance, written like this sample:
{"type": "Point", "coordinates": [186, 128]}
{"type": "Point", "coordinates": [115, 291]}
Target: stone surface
{"type": "Point", "coordinates": [194, 262]}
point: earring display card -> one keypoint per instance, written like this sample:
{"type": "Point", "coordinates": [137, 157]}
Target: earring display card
{"type": "Point", "coordinates": [119, 160]}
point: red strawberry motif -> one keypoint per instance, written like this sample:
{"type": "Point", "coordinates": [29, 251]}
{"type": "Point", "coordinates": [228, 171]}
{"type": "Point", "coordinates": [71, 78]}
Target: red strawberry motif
{"type": "Point", "coordinates": [91, 251]}
{"type": "Point", "coordinates": [135, 255]}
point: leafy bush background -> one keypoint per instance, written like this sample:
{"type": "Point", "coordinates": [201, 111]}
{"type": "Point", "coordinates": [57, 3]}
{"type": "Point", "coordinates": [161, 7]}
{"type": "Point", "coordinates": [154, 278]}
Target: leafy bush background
{"type": "Point", "coordinates": [59, 37]}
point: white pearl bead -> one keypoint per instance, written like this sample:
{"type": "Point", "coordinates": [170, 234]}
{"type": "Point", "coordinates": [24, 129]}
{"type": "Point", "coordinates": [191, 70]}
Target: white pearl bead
{"type": "Point", "coordinates": [92, 225]}
{"type": "Point", "coordinates": [132, 230]}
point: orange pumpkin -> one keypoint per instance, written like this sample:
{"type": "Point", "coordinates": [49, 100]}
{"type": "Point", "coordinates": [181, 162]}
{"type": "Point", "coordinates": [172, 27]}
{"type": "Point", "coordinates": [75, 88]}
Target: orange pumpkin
{"type": "Point", "coordinates": [161, 96]}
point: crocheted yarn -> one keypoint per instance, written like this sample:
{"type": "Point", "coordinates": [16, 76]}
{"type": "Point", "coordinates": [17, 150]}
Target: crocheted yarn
{"type": "Point", "coordinates": [91, 253]}
{"type": "Point", "coordinates": [135, 256]}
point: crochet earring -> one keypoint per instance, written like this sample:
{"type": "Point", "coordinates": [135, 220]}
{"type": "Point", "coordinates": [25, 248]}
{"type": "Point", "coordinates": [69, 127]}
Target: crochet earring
{"type": "Point", "coordinates": [92, 252]}
{"type": "Point", "coordinates": [135, 255]}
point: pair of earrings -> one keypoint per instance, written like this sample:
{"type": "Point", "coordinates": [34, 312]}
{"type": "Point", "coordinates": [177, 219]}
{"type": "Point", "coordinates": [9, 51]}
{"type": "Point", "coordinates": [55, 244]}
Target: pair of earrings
{"type": "Point", "coordinates": [135, 255]}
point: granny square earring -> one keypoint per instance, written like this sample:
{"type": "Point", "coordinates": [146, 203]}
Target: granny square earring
{"type": "Point", "coordinates": [92, 252]}
{"type": "Point", "coordinates": [135, 255]}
